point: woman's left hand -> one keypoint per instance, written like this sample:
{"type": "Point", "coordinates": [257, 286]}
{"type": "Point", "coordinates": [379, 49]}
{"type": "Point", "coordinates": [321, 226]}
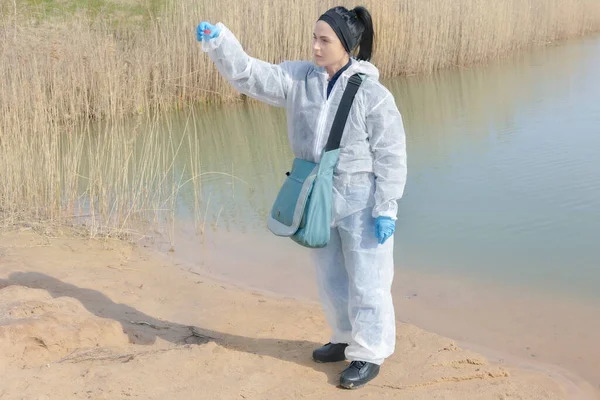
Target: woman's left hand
{"type": "Point", "coordinates": [384, 228]}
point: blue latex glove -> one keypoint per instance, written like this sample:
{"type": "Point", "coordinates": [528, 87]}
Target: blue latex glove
{"type": "Point", "coordinates": [214, 31]}
{"type": "Point", "coordinates": [384, 228]}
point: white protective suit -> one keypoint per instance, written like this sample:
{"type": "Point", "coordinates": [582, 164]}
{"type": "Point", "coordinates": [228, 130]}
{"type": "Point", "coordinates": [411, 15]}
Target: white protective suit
{"type": "Point", "coordinates": [354, 272]}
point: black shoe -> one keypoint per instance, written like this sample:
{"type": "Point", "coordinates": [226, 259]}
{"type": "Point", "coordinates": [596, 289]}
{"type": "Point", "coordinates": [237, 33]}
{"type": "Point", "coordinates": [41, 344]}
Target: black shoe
{"type": "Point", "coordinates": [330, 353]}
{"type": "Point", "coordinates": [358, 374]}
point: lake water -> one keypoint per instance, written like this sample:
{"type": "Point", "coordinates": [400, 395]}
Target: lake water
{"type": "Point", "coordinates": [504, 169]}
{"type": "Point", "coordinates": [498, 237]}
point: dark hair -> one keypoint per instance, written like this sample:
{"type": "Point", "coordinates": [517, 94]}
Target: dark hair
{"type": "Point", "coordinates": [361, 26]}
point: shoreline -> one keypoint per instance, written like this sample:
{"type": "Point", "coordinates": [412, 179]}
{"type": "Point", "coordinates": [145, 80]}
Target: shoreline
{"type": "Point", "coordinates": [114, 321]}
{"type": "Point", "coordinates": [575, 386]}
{"type": "Point", "coordinates": [437, 295]}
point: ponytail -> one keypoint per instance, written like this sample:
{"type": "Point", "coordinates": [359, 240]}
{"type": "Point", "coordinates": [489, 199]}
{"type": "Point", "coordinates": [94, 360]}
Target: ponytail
{"type": "Point", "coordinates": [357, 32]}
{"type": "Point", "coordinates": [365, 46]}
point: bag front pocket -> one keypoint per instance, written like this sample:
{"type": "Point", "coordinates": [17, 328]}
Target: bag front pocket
{"type": "Point", "coordinates": [289, 206]}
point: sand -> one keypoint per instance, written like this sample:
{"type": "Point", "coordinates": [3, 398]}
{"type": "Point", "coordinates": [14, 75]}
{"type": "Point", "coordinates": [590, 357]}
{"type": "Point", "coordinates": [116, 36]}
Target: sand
{"type": "Point", "coordinates": [89, 319]}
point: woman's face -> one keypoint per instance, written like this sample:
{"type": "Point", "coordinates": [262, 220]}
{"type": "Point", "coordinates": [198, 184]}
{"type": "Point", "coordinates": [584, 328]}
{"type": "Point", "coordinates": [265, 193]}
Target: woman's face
{"type": "Point", "coordinates": [327, 48]}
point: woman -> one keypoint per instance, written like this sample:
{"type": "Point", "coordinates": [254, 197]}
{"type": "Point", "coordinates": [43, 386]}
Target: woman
{"type": "Point", "coordinates": [355, 270]}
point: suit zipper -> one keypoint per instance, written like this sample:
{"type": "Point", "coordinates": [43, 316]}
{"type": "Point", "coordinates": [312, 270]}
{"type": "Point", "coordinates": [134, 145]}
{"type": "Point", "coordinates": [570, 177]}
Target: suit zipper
{"type": "Point", "coordinates": [320, 125]}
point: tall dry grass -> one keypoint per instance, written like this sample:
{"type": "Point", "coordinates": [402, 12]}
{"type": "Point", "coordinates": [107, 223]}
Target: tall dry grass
{"type": "Point", "coordinates": [59, 73]}
{"type": "Point", "coordinates": [121, 178]}
{"type": "Point", "coordinates": [78, 67]}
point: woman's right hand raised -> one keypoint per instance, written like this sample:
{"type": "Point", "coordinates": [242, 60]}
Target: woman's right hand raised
{"type": "Point", "coordinates": [207, 31]}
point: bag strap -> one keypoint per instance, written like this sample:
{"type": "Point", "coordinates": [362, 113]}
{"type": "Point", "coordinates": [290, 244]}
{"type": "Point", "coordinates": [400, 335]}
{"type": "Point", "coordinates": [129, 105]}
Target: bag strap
{"type": "Point", "coordinates": [337, 129]}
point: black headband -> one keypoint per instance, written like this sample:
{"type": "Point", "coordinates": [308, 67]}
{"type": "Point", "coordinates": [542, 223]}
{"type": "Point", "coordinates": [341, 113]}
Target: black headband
{"type": "Point", "coordinates": [341, 29]}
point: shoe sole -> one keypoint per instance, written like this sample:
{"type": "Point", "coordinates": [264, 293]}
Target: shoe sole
{"type": "Point", "coordinates": [352, 386]}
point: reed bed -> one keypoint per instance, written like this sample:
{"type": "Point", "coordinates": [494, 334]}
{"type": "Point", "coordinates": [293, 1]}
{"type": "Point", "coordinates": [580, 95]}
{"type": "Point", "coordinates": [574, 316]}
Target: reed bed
{"type": "Point", "coordinates": [63, 70]}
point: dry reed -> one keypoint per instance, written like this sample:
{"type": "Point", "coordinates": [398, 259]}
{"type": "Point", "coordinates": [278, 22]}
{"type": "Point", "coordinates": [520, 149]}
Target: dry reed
{"type": "Point", "coordinates": [59, 73]}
